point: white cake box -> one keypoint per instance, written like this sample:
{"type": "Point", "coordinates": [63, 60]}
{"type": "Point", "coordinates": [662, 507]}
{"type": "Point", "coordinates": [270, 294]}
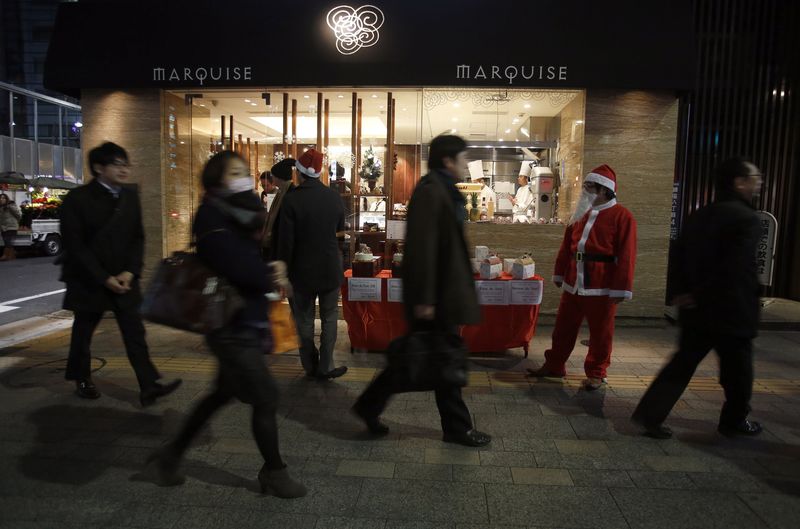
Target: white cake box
{"type": "Point", "coordinates": [508, 264]}
{"type": "Point", "coordinates": [491, 268]}
{"type": "Point", "coordinates": [481, 253]}
{"type": "Point", "coordinates": [523, 268]}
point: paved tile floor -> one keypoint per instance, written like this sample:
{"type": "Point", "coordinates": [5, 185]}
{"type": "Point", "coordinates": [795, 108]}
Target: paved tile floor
{"type": "Point", "coordinates": [561, 457]}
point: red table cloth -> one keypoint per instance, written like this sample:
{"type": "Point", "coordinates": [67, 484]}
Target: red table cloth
{"type": "Point", "coordinates": [372, 325]}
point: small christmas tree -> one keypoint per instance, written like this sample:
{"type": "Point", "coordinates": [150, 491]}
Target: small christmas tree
{"type": "Point", "coordinates": [371, 167]}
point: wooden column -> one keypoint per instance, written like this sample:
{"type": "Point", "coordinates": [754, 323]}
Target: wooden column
{"type": "Point", "coordinates": [326, 140]}
{"type": "Point", "coordinates": [230, 133]}
{"type": "Point", "coordinates": [258, 173]}
{"type": "Point", "coordinates": [221, 147]}
{"type": "Point", "coordinates": [294, 129]}
{"type": "Point", "coordinates": [248, 158]}
{"type": "Point", "coordinates": [285, 145]}
{"type": "Point", "coordinates": [319, 122]}
{"type": "Point", "coordinates": [358, 135]}
{"type": "Point", "coordinates": [239, 144]}
{"type": "Point", "coordinates": [388, 173]}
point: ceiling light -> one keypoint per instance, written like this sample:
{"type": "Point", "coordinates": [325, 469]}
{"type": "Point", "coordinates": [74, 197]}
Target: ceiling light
{"type": "Point", "coordinates": [253, 105]}
{"type": "Point", "coordinates": [306, 96]}
{"type": "Point", "coordinates": [340, 96]}
{"type": "Point", "coordinates": [381, 107]}
{"type": "Point", "coordinates": [78, 124]}
{"type": "Point", "coordinates": [456, 105]}
{"type": "Point", "coordinates": [246, 100]}
{"type": "Point", "coordinates": [202, 105]}
{"type": "Point", "coordinates": [405, 109]}
{"type": "Point", "coordinates": [527, 105]}
{"type": "Point", "coordinates": [579, 122]}
{"type": "Point", "coordinates": [508, 131]}
{"type": "Point", "coordinates": [374, 96]}
{"type": "Point", "coordinates": [515, 120]}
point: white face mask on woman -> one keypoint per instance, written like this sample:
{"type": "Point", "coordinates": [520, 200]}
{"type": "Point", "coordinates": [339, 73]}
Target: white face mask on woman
{"type": "Point", "coordinates": [240, 185]}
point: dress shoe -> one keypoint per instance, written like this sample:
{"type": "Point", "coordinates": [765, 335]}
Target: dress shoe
{"type": "Point", "coordinates": [745, 427]}
{"type": "Point", "coordinates": [472, 438]}
{"type": "Point", "coordinates": [279, 483]}
{"type": "Point", "coordinates": [542, 373]}
{"type": "Point", "coordinates": [374, 424]}
{"type": "Point", "coordinates": [86, 389]}
{"type": "Point", "coordinates": [593, 384]}
{"type": "Point", "coordinates": [166, 466]}
{"type": "Point", "coordinates": [333, 373]}
{"type": "Point", "coordinates": [149, 395]}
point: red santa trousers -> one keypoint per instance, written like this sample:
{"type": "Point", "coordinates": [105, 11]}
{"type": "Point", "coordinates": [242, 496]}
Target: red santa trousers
{"type": "Point", "coordinates": [599, 312]}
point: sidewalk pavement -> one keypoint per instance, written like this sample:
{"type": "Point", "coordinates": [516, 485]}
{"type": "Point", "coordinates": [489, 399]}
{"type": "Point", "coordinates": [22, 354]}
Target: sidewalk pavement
{"type": "Point", "coordinates": [561, 457]}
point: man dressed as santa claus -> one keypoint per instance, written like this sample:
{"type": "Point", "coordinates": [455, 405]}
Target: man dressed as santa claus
{"type": "Point", "coordinates": [594, 269]}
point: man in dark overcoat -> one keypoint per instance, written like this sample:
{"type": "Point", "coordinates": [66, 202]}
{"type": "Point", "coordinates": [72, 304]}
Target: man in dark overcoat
{"type": "Point", "coordinates": [101, 227]}
{"type": "Point", "coordinates": [310, 215]}
{"type": "Point", "coordinates": [438, 284]}
{"type": "Point", "coordinates": [713, 273]}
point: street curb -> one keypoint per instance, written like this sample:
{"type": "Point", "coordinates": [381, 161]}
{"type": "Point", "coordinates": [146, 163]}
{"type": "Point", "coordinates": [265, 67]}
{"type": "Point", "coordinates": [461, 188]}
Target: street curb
{"type": "Point", "coordinates": [29, 329]}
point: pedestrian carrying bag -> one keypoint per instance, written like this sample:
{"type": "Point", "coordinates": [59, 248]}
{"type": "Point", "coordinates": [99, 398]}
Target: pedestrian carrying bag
{"type": "Point", "coordinates": [284, 331]}
{"type": "Point", "coordinates": [426, 360]}
{"type": "Point", "coordinates": [187, 295]}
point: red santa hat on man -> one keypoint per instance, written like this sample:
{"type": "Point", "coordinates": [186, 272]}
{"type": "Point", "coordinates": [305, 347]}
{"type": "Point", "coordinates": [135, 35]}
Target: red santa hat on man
{"type": "Point", "coordinates": [603, 175]}
{"type": "Point", "coordinates": [310, 163]}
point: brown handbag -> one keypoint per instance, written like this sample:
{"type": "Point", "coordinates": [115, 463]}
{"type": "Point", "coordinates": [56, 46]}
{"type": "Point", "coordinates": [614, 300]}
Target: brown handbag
{"type": "Point", "coordinates": [187, 295]}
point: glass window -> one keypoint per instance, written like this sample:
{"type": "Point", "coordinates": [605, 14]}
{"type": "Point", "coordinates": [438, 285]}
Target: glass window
{"type": "Point", "coordinates": [5, 115]}
{"type": "Point", "coordinates": [71, 128]}
{"type": "Point", "coordinates": [48, 123]}
{"type": "Point", "coordinates": [23, 123]}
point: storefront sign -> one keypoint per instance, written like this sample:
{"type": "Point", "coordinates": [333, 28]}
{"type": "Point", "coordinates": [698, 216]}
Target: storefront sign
{"type": "Point", "coordinates": [525, 292]}
{"type": "Point", "coordinates": [394, 290]}
{"type": "Point", "coordinates": [765, 251]}
{"type": "Point", "coordinates": [507, 74]}
{"type": "Point", "coordinates": [364, 289]}
{"type": "Point", "coordinates": [492, 292]}
{"type": "Point", "coordinates": [202, 74]}
{"type": "Point", "coordinates": [414, 43]}
{"type": "Point", "coordinates": [355, 28]}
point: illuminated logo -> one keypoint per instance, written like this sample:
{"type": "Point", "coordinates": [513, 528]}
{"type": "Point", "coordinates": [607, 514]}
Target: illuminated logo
{"type": "Point", "coordinates": [355, 28]}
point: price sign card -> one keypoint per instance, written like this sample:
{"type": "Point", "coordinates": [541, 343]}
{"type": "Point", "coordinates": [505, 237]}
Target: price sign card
{"type": "Point", "coordinates": [396, 230]}
{"type": "Point", "coordinates": [492, 292]}
{"type": "Point", "coordinates": [364, 289]}
{"type": "Point", "coordinates": [526, 292]}
{"type": "Point", "coordinates": [394, 289]}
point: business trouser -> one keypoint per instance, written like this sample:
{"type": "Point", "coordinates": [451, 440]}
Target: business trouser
{"type": "Point", "coordinates": [453, 411]}
{"type": "Point", "coordinates": [736, 374]}
{"type": "Point", "coordinates": [133, 335]}
{"type": "Point", "coordinates": [599, 312]}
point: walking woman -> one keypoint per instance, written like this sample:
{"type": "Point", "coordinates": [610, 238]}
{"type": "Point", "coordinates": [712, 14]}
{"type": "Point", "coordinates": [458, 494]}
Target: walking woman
{"type": "Point", "coordinates": [226, 230]}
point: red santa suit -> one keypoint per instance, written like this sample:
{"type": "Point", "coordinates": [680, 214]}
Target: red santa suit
{"type": "Point", "coordinates": [595, 263]}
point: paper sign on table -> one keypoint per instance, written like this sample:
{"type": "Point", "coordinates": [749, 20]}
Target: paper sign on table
{"type": "Point", "coordinates": [394, 289]}
{"type": "Point", "coordinates": [525, 292]}
{"type": "Point", "coordinates": [492, 292]}
{"type": "Point", "coordinates": [364, 289]}
{"type": "Point", "coordinates": [396, 230]}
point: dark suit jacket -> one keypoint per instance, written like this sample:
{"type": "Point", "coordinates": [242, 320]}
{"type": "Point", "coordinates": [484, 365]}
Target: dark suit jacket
{"type": "Point", "coordinates": [715, 260]}
{"type": "Point", "coordinates": [103, 236]}
{"type": "Point", "coordinates": [436, 266]}
{"type": "Point", "coordinates": [310, 216]}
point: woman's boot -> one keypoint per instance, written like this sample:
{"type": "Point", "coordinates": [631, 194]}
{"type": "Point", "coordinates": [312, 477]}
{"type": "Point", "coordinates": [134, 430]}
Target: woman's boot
{"type": "Point", "coordinates": [279, 483]}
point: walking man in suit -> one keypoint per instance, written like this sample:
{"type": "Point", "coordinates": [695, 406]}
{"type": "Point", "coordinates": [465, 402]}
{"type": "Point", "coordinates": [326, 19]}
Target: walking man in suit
{"type": "Point", "coordinates": [101, 226]}
{"type": "Point", "coordinates": [713, 273]}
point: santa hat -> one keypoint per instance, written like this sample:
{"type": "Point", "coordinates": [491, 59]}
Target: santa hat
{"type": "Point", "coordinates": [603, 175]}
{"type": "Point", "coordinates": [310, 163]}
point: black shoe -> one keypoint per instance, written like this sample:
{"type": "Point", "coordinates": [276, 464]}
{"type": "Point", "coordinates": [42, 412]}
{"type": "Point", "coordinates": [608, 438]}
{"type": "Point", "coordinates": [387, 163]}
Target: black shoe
{"type": "Point", "coordinates": [149, 395]}
{"type": "Point", "coordinates": [374, 424]}
{"type": "Point", "coordinates": [656, 431]}
{"type": "Point", "coordinates": [333, 373]}
{"type": "Point", "coordinates": [166, 466]}
{"type": "Point", "coordinates": [745, 427]}
{"type": "Point", "coordinates": [471, 438]}
{"type": "Point", "coordinates": [86, 389]}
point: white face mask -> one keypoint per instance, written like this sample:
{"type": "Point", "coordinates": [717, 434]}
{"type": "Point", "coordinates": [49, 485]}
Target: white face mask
{"type": "Point", "coordinates": [240, 185]}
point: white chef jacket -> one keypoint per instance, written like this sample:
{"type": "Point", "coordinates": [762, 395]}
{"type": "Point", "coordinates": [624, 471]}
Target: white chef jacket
{"type": "Point", "coordinates": [488, 194]}
{"type": "Point", "coordinates": [524, 203]}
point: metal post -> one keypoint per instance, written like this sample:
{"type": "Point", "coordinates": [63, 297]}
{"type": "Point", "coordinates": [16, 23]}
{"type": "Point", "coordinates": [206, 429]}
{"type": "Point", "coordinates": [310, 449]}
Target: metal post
{"type": "Point", "coordinates": [36, 168]}
{"type": "Point", "coordinates": [60, 127]}
{"type": "Point", "coordinates": [11, 130]}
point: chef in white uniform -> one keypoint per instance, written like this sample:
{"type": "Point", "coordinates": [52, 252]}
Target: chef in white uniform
{"type": "Point", "coordinates": [477, 176]}
{"type": "Point", "coordinates": [523, 201]}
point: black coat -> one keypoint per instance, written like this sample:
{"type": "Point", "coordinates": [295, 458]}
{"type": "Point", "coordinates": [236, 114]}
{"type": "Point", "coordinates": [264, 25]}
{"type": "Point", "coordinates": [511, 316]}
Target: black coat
{"type": "Point", "coordinates": [310, 216]}
{"type": "Point", "coordinates": [715, 261]}
{"type": "Point", "coordinates": [234, 253]}
{"type": "Point", "coordinates": [436, 266]}
{"type": "Point", "coordinates": [102, 237]}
